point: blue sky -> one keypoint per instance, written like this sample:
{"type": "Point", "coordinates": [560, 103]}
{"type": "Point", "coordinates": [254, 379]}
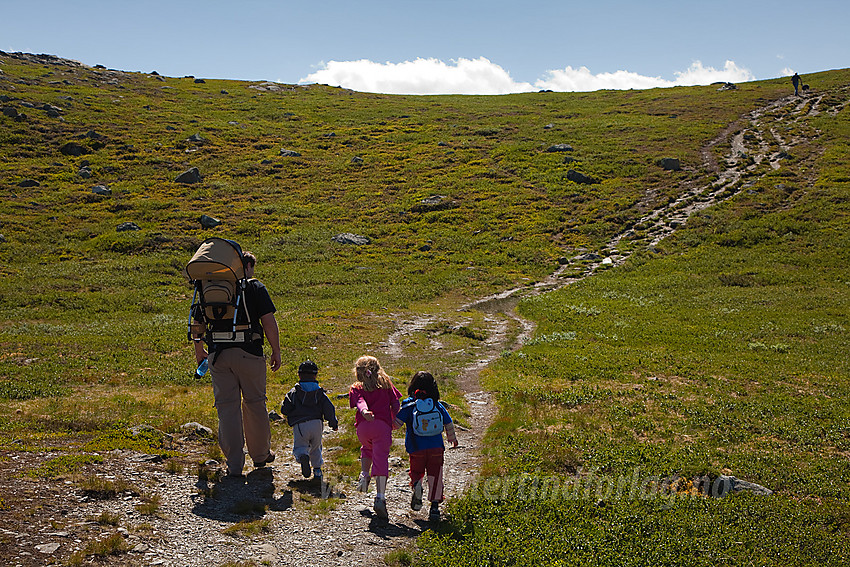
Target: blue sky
{"type": "Point", "coordinates": [441, 46]}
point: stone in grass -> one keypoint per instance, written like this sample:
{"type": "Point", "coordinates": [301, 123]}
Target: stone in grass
{"type": "Point", "coordinates": [127, 226]}
{"type": "Point", "coordinates": [729, 485]}
{"type": "Point", "coordinates": [670, 164]}
{"type": "Point", "coordinates": [192, 175]}
{"type": "Point", "coordinates": [196, 429]}
{"type": "Point", "coordinates": [208, 221]}
{"type": "Point", "coordinates": [349, 238]}
{"type": "Point", "coordinates": [101, 190]}
{"type": "Point", "coordinates": [581, 178]}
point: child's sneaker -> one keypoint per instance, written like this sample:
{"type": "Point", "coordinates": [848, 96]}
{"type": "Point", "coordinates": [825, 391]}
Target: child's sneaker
{"type": "Point", "coordinates": [380, 507]}
{"type": "Point", "coordinates": [434, 513]}
{"type": "Point", "coordinates": [363, 482]}
{"type": "Point", "coordinates": [416, 499]}
{"type": "Point", "coordinates": [317, 473]}
{"type": "Point", "coordinates": [304, 460]}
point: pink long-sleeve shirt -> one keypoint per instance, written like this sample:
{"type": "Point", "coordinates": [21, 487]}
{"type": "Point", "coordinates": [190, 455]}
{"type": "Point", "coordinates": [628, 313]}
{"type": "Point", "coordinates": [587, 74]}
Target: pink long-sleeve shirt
{"type": "Point", "coordinates": [383, 402]}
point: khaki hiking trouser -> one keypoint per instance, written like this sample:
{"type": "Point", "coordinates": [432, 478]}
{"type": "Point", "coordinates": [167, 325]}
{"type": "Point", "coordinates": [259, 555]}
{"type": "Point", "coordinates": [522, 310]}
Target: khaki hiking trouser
{"type": "Point", "coordinates": [239, 387]}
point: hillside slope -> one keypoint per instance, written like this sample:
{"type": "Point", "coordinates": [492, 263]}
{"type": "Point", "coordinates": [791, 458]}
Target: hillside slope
{"type": "Point", "coordinates": [459, 198]}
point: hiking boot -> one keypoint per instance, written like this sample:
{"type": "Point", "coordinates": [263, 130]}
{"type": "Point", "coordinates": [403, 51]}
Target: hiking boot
{"type": "Point", "coordinates": [304, 460]}
{"type": "Point", "coordinates": [434, 513]}
{"type": "Point", "coordinates": [261, 464]}
{"type": "Point", "coordinates": [317, 473]}
{"type": "Point", "coordinates": [363, 483]}
{"type": "Point", "coordinates": [380, 508]}
{"type": "Point", "coordinates": [416, 499]}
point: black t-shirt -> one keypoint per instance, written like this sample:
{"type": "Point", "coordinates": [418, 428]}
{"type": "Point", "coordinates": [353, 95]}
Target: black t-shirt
{"type": "Point", "coordinates": [259, 303]}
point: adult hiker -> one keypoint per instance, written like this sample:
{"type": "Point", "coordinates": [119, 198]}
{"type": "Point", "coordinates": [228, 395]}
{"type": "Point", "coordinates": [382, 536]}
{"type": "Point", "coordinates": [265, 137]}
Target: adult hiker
{"type": "Point", "coordinates": [238, 373]}
{"type": "Point", "coordinates": [796, 80]}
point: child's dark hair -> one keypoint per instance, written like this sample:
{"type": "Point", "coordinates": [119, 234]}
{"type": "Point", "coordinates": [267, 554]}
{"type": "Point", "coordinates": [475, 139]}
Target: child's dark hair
{"type": "Point", "coordinates": [425, 384]}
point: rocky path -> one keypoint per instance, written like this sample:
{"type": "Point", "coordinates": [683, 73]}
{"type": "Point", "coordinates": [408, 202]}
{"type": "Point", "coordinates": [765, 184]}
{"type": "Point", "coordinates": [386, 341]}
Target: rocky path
{"type": "Point", "coordinates": [296, 523]}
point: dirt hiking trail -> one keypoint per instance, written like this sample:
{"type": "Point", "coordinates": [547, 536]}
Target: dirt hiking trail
{"type": "Point", "coordinates": [189, 528]}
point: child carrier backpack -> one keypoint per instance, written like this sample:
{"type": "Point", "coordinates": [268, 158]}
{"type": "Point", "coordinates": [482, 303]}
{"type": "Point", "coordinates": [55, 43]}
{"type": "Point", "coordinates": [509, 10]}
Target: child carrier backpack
{"type": "Point", "coordinates": [219, 314]}
{"type": "Point", "coordinates": [427, 419]}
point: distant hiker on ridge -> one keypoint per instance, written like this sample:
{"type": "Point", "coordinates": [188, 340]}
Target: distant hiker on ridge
{"type": "Point", "coordinates": [795, 80]}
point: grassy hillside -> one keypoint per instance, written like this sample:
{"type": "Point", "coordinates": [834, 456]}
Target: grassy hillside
{"type": "Point", "coordinates": [722, 349]}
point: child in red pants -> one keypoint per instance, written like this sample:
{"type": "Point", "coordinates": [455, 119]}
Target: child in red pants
{"type": "Point", "coordinates": [425, 419]}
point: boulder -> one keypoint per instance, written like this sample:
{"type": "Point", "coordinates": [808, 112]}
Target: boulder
{"type": "Point", "coordinates": [559, 148]}
{"type": "Point", "coordinates": [670, 164]}
{"type": "Point", "coordinates": [581, 178]}
{"type": "Point", "coordinates": [101, 190]}
{"type": "Point", "coordinates": [349, 238]}
{"type": "Point", "coordinates": [189, 176]}
{"type": "Point", "coordinates": [197, 139]}
{"type": "Point", "coordinates": [729, 485]}
{"type": "Point", "coordinates": [10, 111]}
{"type": "Point", "coordinates": [29, 183]}
{"type": "Point", "coordinates": [208, 222]}
{"type": "Point", "coordinates": [289, 153]}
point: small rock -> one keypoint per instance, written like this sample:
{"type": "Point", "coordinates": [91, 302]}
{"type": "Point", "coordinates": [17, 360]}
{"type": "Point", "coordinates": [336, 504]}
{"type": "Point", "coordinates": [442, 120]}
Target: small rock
{"type": "Point", "coordinates": [189, 176]}
{"type": "Point", "coordinates": [29, 183]}
{"type": "Point", "coordinates": [289, 153]}
{"type": "Point", "coordinates": [10, 112]}
{"type": "Point", "coordinates": [580, 178]}
{"type": "Point", "coordinates": [559, 148]}
{"type": "Point", "coordinates": [349, 238]}
{"type": "Point", "coordinates": [197, 139]}
{"type": "Point", "coordinates": [670, 164]}
{"type": "Point", "coordinates": [101, 190]}
{"type": "Point", "coordinates": [357, 160]}
{"type": "Point", "coordinates": [195, 428]}
{"type": "Point", "coordinates": [47, 548]}
{"type": "Point", "coordinates": [84, 172]}
{"type": "Point", "coordinates": [125, 226]}
{"type": "Point", "coordinates": [73, 149]}
{"type": "Point", "coordinates": [208, 221]}
{"type": "Point", "coordinates": [200, 81]}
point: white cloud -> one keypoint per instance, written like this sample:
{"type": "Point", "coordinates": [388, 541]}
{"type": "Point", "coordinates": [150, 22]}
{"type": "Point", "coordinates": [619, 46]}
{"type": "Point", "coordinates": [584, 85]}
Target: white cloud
{"type": "Point", "coordinates": [582, 79]}
{"type": "Point", "coordinates": [697, 74]}
{"type": "Point", "coordinates": [481, 76]}
{"type": "Point", "coordinates": [422, 76]}
{"type": "Point", "coordinates": [787, 72]}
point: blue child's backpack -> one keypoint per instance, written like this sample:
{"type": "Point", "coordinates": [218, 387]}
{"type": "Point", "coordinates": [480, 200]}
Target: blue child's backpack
{"type": "Point", "coordinates": [427, 419]}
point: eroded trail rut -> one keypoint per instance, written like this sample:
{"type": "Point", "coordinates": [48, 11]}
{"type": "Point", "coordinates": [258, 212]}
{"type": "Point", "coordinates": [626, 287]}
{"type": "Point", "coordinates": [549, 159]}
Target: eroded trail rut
{"type": "Point", "coordinates": [190, 528]}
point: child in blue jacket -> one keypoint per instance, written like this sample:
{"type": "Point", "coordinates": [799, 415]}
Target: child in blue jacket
{"type": "Point", "coordinates": [307, 407]}
{"type": "Point", "coordinates": [425, 419]}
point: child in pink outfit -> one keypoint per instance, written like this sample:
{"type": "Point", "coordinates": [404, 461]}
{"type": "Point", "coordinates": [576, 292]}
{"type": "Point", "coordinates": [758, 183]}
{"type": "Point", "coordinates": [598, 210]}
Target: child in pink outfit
{"type": "Point", "coordinates": [377, 403]}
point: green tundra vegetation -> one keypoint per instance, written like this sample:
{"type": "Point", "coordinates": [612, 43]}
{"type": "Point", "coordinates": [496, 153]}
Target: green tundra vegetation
{"type": "Point", "coordinates": [720, 350]}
